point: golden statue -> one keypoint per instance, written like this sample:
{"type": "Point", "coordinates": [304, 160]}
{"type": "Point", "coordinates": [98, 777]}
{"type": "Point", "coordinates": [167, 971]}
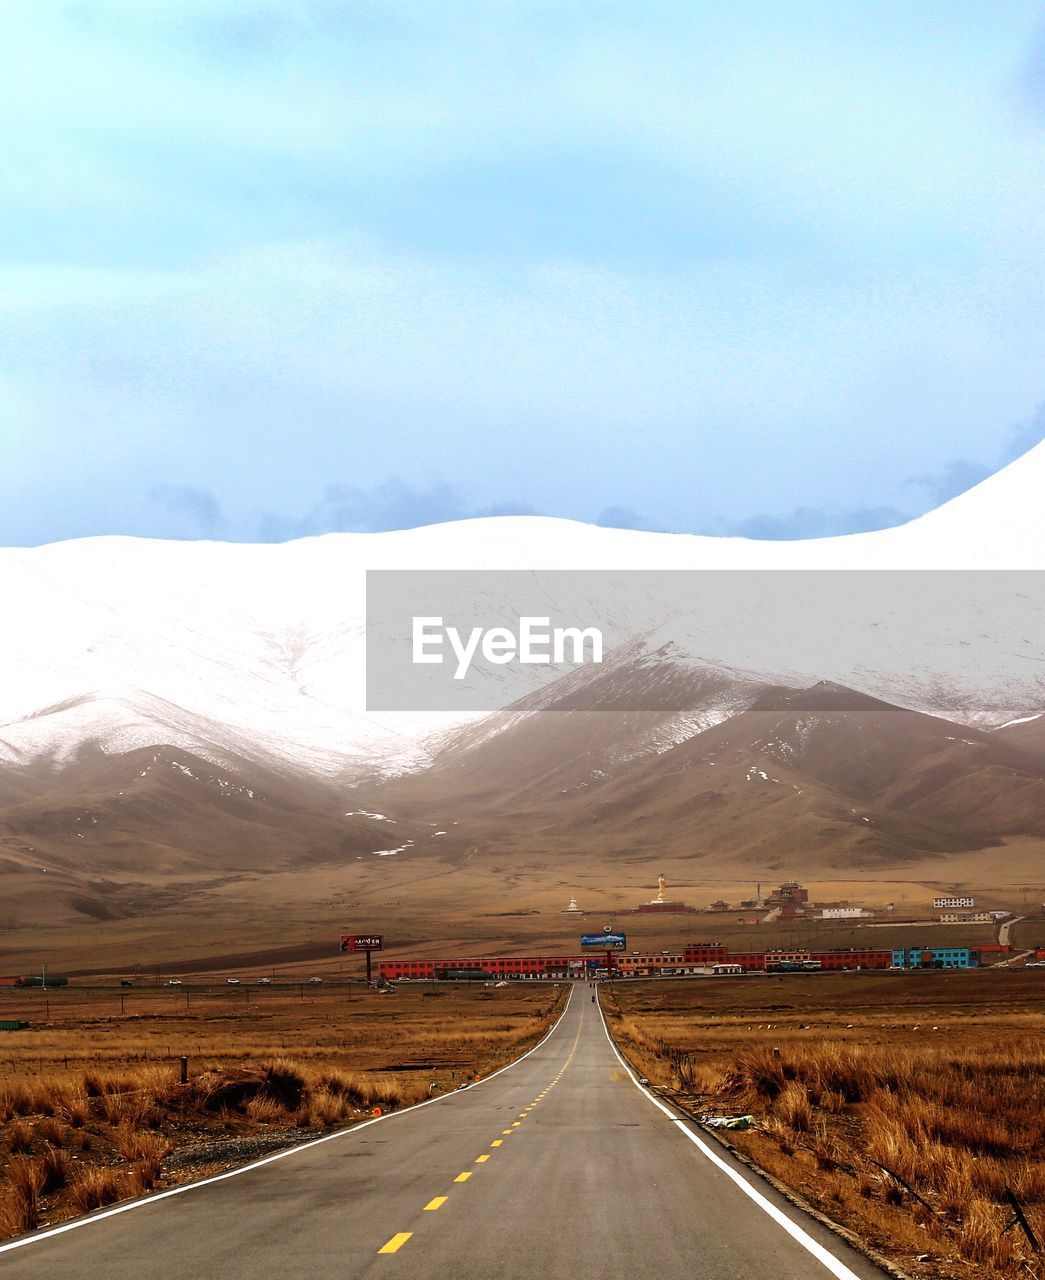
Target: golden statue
{"type": "Point", "coordinates": [662, 884]}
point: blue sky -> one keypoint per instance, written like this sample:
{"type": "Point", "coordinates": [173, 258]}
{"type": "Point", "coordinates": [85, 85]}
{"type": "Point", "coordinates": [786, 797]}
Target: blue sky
{"type": "Point", "coordinates": [270, 267]}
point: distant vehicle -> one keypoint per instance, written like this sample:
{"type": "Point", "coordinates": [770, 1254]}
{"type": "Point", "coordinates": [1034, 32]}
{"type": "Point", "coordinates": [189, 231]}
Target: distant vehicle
{"type": "Point", "coordinates": [500, 984]}
{"type": "Point", "coordinates": [126, 982]}
{"type": "Point", "coordinates": [265, 982]}
{"type": "Point", "coordinates": [173, 982]}
{"type": "Point", "coordinates": [315, 979]}
{"type": "Point", "coordinates": [233, 982]}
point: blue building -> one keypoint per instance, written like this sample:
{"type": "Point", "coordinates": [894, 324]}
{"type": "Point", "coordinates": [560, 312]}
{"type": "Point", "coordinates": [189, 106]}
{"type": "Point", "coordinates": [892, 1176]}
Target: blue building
{"type": "Point", "coordinates": [936, 958]}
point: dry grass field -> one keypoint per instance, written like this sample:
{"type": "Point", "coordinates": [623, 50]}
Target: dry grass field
{"type": "Point", "coordinates": [92, 1109]}
{"type": "Point", "coordinates": [903, 1107]}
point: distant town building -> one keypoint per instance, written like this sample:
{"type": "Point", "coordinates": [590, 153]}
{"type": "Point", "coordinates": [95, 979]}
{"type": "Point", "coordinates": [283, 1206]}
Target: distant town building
{"type": "Point", "coordinates": [790, 893]}
{"type": "Point", "coordinates": [952, 904]}
{"type": "Point", "coordinates": [845, 913]}
{"type": "Point", "coordinates": [720, 905]}
{"type": "Point", "coordinates": [936, 958]}
{"type": "Point", "coordinates": [704, 954]}
{"type": "Point", "coordinates": [967, 917]}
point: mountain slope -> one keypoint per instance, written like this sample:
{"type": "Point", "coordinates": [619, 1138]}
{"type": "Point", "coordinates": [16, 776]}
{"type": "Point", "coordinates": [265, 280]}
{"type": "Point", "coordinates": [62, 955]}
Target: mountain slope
{"type": "Point", "coordinates": [1027, 733]}
{"type": "Point", "coordinates": [592, 723]}
{"type": "Point", "coordinates": [102, 836]}
{"type": "Point", "coordinates": [824, 777]}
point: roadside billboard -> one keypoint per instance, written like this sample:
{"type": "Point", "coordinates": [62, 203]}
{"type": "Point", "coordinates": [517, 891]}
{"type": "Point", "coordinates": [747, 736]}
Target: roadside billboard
{"type": "Point", "coordinates": [604, 941]}
{"type": "Point", "coordinates": [361, 941]}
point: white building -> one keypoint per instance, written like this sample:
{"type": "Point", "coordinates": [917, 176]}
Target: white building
{"type": "Point", "coordinates": [950, 904]}
{"type": "Point", "coordinates": [844, 913]}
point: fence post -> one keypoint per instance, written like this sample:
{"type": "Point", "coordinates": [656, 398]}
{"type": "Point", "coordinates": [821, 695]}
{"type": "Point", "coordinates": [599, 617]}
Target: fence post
{"type": "Point", "coordinates": [1021, 1218]}
{"type": "Point", "coordinates": [184, 1070]}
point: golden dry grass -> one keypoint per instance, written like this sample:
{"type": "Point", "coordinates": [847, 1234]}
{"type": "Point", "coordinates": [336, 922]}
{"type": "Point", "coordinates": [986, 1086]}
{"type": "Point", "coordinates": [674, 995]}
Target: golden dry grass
{"type": "Point", "coordinates": [96, 1186]}
{"type": "Point", "coordinates": [907, 1128]}
{"type": "Point", "coordinates": [285, 1070]}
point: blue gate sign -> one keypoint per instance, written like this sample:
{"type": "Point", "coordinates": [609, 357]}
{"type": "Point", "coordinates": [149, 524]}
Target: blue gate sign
{"type": "Point", "coordinates": [605, 941]}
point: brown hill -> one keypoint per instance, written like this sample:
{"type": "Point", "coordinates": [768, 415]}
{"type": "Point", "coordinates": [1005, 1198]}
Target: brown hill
{"type": "Point", "coordinates": [718, 776]}
{"type": "Point", "coordinates": [825, 778]}
{"type": "Point", "coordinates": [593, 724]}
{"type": "Point", "coordinates": [103, 836]}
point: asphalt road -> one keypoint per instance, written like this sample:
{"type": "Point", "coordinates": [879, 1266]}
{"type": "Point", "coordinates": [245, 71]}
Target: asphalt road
{"type": "Point", "coordinates": [556, 1168]}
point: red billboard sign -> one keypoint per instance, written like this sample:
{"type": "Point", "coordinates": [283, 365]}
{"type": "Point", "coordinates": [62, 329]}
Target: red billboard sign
{"type": "Point", "coordinates": [361, 942]}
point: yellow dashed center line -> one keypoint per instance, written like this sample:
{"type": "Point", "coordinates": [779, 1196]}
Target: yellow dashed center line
{"type": "Point", "coordinates": [401, 1237]}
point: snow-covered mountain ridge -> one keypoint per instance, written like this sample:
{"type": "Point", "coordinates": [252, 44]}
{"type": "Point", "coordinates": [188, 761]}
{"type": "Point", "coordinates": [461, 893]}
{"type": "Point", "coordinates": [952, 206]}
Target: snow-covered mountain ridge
{"type": "Point", "coordinates": [257, 651]}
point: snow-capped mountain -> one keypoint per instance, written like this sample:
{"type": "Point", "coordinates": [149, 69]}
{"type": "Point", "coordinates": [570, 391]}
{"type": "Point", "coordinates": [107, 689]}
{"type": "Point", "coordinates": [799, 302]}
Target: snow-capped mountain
{"type": "Point", "coordinates": [256, 653]}
{"type": "Point", "coordinates": [822, 777]}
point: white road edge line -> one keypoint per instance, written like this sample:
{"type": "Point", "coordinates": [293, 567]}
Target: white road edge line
{"type": "Point", "coordinates": [822, 1255]}
{"type": "Point", "coordinates": [144, 1201]}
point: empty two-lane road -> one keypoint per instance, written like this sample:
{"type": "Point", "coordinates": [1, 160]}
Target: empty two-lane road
{"type": "Point", "coordinates": [556, 1167]}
